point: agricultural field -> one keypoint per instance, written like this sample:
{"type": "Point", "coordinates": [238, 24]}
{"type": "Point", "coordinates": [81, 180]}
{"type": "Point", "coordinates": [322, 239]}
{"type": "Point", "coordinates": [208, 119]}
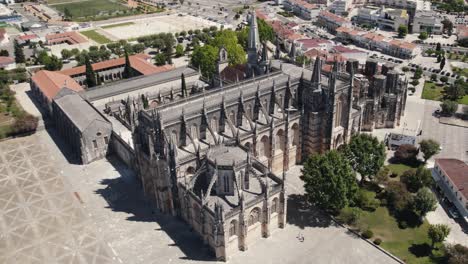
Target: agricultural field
{"type": "Point", "coordinates": [92, 9]}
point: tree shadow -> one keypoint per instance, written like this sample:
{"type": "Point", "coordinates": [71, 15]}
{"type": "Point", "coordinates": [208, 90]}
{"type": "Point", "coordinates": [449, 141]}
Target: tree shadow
{"type": "Point", "coordinates": [125, 194]}
{"type": "Point", "coordinates": [420, 250]}
{"type": "Point", "coordinates": [302, 214]}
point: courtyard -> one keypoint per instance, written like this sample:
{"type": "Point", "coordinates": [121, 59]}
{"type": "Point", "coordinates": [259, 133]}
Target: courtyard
{"type": "Point", "coordinates": [97, 214]}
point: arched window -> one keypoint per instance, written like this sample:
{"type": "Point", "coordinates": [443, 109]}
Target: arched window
{"type": "Point", "coordinates": [233, 228]}
{"type": "Point", "coordinates": [254, 216]}
{"type": "Point", "coordinates": [194, 132]}
{"type": "Point", "coordinates": [280, 144]}
{"type": "Point", "coordinates": [214, 124]}
{"type": "Point", "coordinates": [274, 205]}
{"type": "Point", "coordinates": [232, 117]}
{"type": "Point", "coordinates": [295, 135]}
{"type": "Point", "coordinates": [264, 147]}
{"type": "Point", "coordinates": [174, 137]}
{"type": "Point", "coordinates": [248, 111]}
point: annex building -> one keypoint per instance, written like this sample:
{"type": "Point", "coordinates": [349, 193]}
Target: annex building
{"type": "Point", "coordinates": [215, 151]}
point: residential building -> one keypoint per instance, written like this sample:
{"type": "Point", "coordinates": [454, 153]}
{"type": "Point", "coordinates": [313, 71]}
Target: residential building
{"type": "Point", "coordinates": [410, 5]}
{"type": "Point", "coordinates": [4, 37]}
{"type": "Point", "coordinates": [462, 34]}
{"type": "Point", "coordinates": [339, 7]}
{"type": "Point", "coordinates": [7, 63]}
{"type": "Point", "coordinates": [428, 21]}
{"type": "Point", "coordinates": [384, 18]}
{"type": "Point", "coordinates": [331, 21]}
{"type": "Point", "coordinates": [451, 176]}
{"type": "Point", "coordinates": [373, 41]}
{"type": "Point", "coordinates": [302, 8]}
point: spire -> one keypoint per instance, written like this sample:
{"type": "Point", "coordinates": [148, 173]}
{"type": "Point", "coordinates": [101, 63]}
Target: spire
{"type": "Point", "coordinates": [317, 72]}
{"type": "Point", "coordinates": [254, 39]}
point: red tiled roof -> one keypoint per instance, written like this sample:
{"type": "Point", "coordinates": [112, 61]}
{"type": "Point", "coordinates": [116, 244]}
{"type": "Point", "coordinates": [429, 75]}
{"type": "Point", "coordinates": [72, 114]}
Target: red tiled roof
{"type": "Point", "coordinates": [27, 37]}
{"type": "Point", "coordinates": [313, 53]}
{"type": "Point", "coordinates": [138, 63]}
{"type": "Point", "coordinates": [403, 44]}
{"type": "Point", "coordinates": [6, 60]}
{"type": "Point", "coordinates": [71, 37]}
{"type": "Point", "coordinates": [462, 32]}
{"type": "Point", "coordinates": [312, 43]}
{"type": "Point", "coordinates": [332, 16]}
{"type": "Point", "coordinates": [457, 171]}
{"type": "Point", "coordinates": [343, 49]}
{"type": "Point", "coordinates": [50, 83]}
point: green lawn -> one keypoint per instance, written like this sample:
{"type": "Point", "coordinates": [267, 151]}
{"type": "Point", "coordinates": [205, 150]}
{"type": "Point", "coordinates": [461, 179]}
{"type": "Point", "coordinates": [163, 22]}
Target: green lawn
{"type": "Point", "coordinates": [118, 25]}
{"type": "Point", "coordinates": [92, 34]}
{"type": "Point", "coordinates": [411, 245]}
{"type": "Point", "coordinates": [91, 8]}
{"type": "Point", "coordinates": [434, 92]}
{"type": "Point", "coordinates": [462, 72]}
{"type": "Point", "coordinates": [399, 169]}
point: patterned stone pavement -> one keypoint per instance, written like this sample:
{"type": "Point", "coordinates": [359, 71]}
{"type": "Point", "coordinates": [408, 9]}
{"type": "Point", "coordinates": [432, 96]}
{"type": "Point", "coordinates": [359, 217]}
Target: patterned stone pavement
{"type": "Point", "coordinates": [41, 220]}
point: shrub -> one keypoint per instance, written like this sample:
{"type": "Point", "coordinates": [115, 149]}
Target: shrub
{"type": "Point", "coordinates": [397, 196]}
{"type": "Point", "coordinates": [383, 202]}
{"type": "Point", "coordinates": [402, 224]}
{"type": "Point", "coordinates": [366, 200]}
{"type": "Point", "coordinates": [415, 82]}
{"type": "Point", "coordinates": [377, 241]}
{"type": "Point", "coordinates": [444, 79]}
{"type": "Point", "coordinates": [349, 215]}
{"type": "Point", "coordinates": [367, 234]}
{"type": "Point", "coordinates": [24, 124]}
{"type": "Point", "coordinates": [449, 107]}
{"type": "Point", "coordinates": [406, 153]}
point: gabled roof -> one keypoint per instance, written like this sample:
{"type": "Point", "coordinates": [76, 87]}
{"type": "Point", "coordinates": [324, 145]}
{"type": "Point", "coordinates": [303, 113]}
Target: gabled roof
{"type": "Point", "coordinates": [80, 112]}
{"type": "Point", "coordinates": [50, 83]}
{"type": "Point", "coordinates": [457, 171]}
{"type": "Point", "coordinates": [6, 60]}
{"type": "Point", "coordinates": [71, 37]}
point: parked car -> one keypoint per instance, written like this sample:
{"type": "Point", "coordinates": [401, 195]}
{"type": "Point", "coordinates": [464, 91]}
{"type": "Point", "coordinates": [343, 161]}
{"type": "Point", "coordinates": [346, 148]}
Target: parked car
{"type": "Point", "coordinates": [453, 212]}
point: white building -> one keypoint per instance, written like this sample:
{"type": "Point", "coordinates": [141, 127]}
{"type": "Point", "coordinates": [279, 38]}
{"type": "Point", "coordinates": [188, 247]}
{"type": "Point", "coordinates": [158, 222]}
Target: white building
{"type": "Point", "coordinates": [404, 4]}
{"type": "Point", "coordinates": [302, 8]}
{"type": "Point", "coordinates": [340, 6]}
{"type": "Point", "coordinates": [384, 18]}
{"type": "Point", "coordinates": [451, 176]}
{"type": "Point", "coordinates": [427, 21]}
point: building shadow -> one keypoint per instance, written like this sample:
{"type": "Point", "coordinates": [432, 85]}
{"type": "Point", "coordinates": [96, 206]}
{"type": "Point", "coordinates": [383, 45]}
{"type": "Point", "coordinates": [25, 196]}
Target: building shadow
{"type": "Point", "coordinates": [302, 214]}
{"type": "Point", "coordinates": [49, 126]}
{"type": "Point", "coordinates": [125, 194]}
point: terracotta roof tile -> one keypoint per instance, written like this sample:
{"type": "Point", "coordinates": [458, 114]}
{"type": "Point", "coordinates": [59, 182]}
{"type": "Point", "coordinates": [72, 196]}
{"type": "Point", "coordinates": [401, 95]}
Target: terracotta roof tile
{"type": "Point", "coordinates": [138, 63]}
{"type": "Point", "coordinates": [6, 60]}
{"type": "Point", "coordinates": [50, 83]}
{"type": "Point", "coordinates": [71, 37]}
{"type": "Point", "coordinates": [457, 171]}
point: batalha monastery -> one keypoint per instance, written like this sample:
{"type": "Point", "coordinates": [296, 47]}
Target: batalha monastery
{"type": "Point", "coordinates": [216, 153]}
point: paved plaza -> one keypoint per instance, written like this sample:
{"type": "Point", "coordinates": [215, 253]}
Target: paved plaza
{"type": "Point", "coordinates": [40, 219]}
{"type": "Point", "coordinates": [54, 211]}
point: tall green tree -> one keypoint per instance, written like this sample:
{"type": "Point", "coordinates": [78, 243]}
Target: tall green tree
{"type": "Point", "coordinates": [366, 155]}
{"type": "Point", "coordinates": [429, 148]}
{"type": "Point", "coordinates": [402, 31]}
{"type": "Point", "coordinates": [67, 14]}
{"type": "Point", "coordinates": [128, 70]}
{"type": "Point", "coordinates": [449, 107]}
{"type": "Point", "coordinates": [424, 202]}
{"type": "Point", "coordinates": [204, 58]}
{"type": "Point", "coordinates": [329, 181]}
{"type": "Point", "coordinates": [91, 79]}
{"type": "Point", "coordinates": [19, 53]}
{"type": "Point", "coordinates": [442, 62]}
{"type": "Point", "coordinates": [417, 179]}
{"type": "Point", "coordinates": [179, 50]}
{"type": "Point", "coordinates": [455, 91]}
{"type": "Point", "coordinates": [438, 233]}
{"type": "Point", "coordinates": [160, 59]}
{"type": "Point", "coordinates": [183, 86]}
{"type": "Point", "coordinates": [228, 40]}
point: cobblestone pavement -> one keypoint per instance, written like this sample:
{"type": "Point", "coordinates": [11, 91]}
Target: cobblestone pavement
{"type": "Point", "coordinates": [40, 219]}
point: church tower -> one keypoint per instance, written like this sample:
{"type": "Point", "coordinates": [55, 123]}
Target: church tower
{"type": "Point", "coordinates": [253, 47]}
